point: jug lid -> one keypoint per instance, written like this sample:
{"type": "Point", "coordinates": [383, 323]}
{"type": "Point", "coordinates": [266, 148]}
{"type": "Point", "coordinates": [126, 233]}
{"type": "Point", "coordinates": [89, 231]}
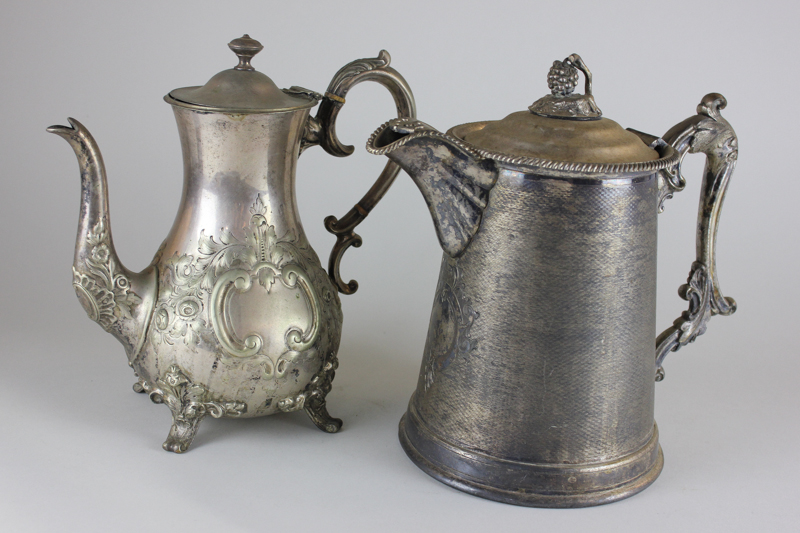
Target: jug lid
{"type": "Point", "coordinates": [242, 89]}
{"type": "Point", "coordinates": [561, 126]}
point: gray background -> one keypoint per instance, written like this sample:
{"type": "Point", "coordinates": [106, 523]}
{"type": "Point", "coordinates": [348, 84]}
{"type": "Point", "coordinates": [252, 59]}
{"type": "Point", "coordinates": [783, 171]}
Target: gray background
{"type": "Point", "coordinates": [78, 449]}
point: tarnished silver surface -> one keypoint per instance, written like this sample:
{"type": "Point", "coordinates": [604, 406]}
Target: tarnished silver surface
{"type": "Point", "coordinates": [235, 316]}
{"type": "Point", "coordinates": [537, 380]}
{"type": "Point", "coordinates": [710, 134]}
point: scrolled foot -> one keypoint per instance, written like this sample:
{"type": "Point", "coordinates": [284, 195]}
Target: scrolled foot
{"type": "Point", "coordinates": [318, 413]}
{"type": "Point", "coordinates": [189, 403]}
{"type": "Point", "coordinates": [138, 387]}
{"type": "Point", "coordinates": [181, 435]}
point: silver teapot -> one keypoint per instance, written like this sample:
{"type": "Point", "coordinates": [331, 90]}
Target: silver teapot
{"type": "Point", "coordinates": [235, 316]}
{"type": "Point", "coordinates": [538, 374]}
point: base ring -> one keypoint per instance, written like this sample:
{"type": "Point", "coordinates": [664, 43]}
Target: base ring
{"type": "Point", "coordinates": [545, 485]}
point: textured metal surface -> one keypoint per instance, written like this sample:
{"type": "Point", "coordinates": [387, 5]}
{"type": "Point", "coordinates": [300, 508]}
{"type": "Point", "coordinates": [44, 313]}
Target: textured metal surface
{"type": "Point", "coordinates": [520, 483]}
{"type": "Point", "coordinates": [560, 361]}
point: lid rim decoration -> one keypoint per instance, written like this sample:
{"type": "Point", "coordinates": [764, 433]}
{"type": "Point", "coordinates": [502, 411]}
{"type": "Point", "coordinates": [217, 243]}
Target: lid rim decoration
{"type": "Point", "coordinates": [242, 89]}
{"type": "Point", "coordinates": [667, 157]}
{"type": "Point", "coordinates": [172, 100]}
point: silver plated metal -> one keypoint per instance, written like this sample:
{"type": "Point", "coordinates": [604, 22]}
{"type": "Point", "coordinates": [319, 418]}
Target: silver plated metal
{"type": "Point", "coordinates": [235, 316]}
{"type": "Point", "coordinates": [538, 375]}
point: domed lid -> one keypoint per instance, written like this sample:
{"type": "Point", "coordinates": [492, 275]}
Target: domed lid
{"type": "Point", "coordinates": [242, 89]}
{"type": "Point", "coordinates": [561, 126]}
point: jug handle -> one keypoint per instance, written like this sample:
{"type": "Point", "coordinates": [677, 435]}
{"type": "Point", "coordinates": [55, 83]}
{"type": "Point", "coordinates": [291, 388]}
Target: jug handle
{"type": "Point", "coordinates": [373, 69]}
{"type": "Point", "coordinates": [708, 133]}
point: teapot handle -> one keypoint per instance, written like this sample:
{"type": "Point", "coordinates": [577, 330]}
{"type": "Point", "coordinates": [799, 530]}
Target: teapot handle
{"type": "Point", "coordinates": [374, 69]}
{"type": "Point", "coordinates": [709, 133]}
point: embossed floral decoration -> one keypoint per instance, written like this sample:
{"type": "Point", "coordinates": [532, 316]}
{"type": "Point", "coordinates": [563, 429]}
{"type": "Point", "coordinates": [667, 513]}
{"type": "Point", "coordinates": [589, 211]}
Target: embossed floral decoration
{"type": "Point", "coordinates": [103, 290]}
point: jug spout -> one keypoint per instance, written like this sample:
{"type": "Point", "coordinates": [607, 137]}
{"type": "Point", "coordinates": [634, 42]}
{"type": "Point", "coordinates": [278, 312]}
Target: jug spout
{"type": "Point", "coordinates": [114, 297]}
{"type": "Point", "coordinates": [454, 179]}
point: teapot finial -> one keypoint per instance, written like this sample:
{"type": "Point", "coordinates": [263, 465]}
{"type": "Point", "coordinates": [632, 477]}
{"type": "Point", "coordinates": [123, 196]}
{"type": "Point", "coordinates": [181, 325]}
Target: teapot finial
{"type": "Point", "coordinates": [245, 48]}
{"type": "Point", "coordinates": [562, 80]}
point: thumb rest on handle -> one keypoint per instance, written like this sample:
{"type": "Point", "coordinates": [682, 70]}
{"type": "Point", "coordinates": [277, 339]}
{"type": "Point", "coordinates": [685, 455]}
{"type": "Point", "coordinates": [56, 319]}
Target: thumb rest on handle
{"type": "Point", "coordinates": [708, 133]}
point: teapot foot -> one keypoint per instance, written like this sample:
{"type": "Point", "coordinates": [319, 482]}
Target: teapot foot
{"type": "Point", "coordinates": [181, 434]}
{"type": "Point", "coordinates": [139, 387]}
{"type": "Point", "coordinates": [318, 413]}
{"type": "Point", "coordinates": [189, 402]}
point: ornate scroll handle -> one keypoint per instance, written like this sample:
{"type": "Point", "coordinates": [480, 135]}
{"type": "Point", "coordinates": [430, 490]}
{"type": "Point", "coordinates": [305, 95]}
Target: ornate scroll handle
{"type": "Point", "coordinates": [709, 133]}
{"type": "Point", "coordinates": [322, 129]}
{"type": "Point", "coordinates": [292, 276]}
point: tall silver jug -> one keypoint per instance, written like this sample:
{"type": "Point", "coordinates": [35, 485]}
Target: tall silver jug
{"type": "Point", "coordinates": [538, 376]}
{"type": "Point", "coordinates": [235, 316]}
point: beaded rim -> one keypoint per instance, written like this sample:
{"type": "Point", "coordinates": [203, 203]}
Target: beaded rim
{"type": "Point", "coordinates": [669, 157]}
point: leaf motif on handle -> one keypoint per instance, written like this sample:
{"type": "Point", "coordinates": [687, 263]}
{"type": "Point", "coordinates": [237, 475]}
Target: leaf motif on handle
{"type": "Point", "coordinates": [708, 133]}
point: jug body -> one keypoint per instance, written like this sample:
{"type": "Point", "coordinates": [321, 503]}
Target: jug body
{"type": "Point", "coordinates": [540, 345]}
{"type": "Point", "coordinates": [538, 374]}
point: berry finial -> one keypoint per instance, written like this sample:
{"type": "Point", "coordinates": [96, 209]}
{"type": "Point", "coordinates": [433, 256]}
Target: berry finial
{"type": "Point", "coordinates": [562, 78]}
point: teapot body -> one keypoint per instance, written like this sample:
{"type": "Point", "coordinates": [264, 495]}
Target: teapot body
{"type": "Point", "coordinates": [537, 379]}
{"type": "Point", "coordinates": [244, 309]}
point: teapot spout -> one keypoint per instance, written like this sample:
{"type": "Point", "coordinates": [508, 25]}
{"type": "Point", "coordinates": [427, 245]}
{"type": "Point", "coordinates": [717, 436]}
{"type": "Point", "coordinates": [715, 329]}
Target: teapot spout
{"type": "Point", "coordinates": [452, 177]}
{"type": "Point", "coordinates": [114, 297]}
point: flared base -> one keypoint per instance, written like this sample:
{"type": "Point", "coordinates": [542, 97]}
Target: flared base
{"type": "Point", "coordinates": [531, 484]}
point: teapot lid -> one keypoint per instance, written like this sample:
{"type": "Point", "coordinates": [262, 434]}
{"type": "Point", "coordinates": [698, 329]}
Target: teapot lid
{"type": "Point", "coordinates": [242, 89]}
{"type": "Point", "coordinates": [561, 126]}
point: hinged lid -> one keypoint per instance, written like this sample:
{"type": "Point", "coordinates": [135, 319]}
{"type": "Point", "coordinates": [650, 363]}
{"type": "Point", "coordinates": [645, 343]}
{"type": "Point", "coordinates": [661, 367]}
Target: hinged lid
{"type": "Point", "coordinates": [242, 89]}
{"type": "Point", "coordinates": [561, 126]}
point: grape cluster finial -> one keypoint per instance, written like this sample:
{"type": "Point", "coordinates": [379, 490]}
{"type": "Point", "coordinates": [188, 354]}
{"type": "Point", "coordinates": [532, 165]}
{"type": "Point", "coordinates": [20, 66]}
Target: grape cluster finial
{"type": "Point", "coordinates": [562, 78]}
